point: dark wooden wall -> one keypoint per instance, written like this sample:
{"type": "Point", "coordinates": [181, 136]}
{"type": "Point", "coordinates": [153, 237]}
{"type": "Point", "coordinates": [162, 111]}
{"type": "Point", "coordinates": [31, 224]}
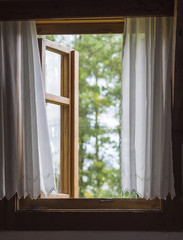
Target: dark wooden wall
{"type": "Point", "coordinates": [84, 8]}
{"type": "Point", "coordinates": [15, 10]}
{"type": "Point", "coordinates": [177, 113]}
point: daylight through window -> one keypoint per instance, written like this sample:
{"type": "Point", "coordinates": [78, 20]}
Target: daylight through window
{"type": "Point", "coordinates": [99, 113]}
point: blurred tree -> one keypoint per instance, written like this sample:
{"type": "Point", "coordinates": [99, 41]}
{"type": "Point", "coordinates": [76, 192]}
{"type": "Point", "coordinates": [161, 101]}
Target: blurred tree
{"type": "Point", "coordinates": [100, 89]}
{"type": "Point", "coordinates": [99, 99]}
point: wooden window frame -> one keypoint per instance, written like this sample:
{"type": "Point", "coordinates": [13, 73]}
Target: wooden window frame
{"type": "Point", "coordinates": [68, 100]}
{"type": "Point", "coordinates": [80, 205]}
{"type": "Point", "coordinates": [80, 26]}
{"type": "Point", "coordinates": [30, 216]}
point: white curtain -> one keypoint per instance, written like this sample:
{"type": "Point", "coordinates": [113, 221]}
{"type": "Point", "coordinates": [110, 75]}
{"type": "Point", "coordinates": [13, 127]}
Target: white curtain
{"type": "Point", "coordinates": [146, 162]}
{"type": "Point", "coordinates": [25, 156]}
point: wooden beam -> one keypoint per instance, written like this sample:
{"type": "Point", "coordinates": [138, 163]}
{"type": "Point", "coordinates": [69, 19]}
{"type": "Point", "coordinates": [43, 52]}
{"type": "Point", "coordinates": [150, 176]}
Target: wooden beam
{"type": "Point", "coordinates": [82, 20]}
{"type": "Point", "coordinates": [42, 52]}
{"type": "Point", "coordinates": [79, 28]}
{"type": "Point", "coordinates": [65, 127]}
{"type": "Point", "coordinates": [178, 83]}
{"type": "Point", "coordinates": [75, 122]}
{"type": "Point", "coordinates": [57, 99]}
{"type": "Point", "coordinates": [91, 204]}
{"type": "Point", "coordinates": [177, 112]}
{"type": "Point", "coordinates": [24, 10]}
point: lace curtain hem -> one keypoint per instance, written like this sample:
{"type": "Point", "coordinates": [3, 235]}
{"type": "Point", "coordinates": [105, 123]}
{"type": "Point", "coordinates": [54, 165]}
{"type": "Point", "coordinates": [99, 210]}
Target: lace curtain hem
{"type": "Point", "coordinates": [29, 193]}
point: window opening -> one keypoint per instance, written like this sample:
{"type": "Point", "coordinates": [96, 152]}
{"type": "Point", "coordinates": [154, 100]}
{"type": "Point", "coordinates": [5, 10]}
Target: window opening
{"type": "Point", "coordinates": [69, 199]}
{"type": "Point", "coordinates": [99, 112]}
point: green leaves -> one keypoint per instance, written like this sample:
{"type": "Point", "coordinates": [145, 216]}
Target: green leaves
{"type": "Point", "coordinates": [99, 89]}
{"type": "Point", "coordinates": [99, 113]}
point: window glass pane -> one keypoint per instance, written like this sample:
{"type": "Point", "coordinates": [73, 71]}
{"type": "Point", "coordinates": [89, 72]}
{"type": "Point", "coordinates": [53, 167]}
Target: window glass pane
{"type": "Point", "coordinates": [54, 126]}
{"type": "Point", "coordinates": [53, 73]}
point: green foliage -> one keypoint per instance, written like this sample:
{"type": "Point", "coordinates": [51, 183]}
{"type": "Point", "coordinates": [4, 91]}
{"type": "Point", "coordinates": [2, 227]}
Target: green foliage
{"type": "Point", "coordinates": [99, 95]}
{"type": "Point", "coordinates": [99, 89]}
{"type": "Point", "coordinates": [49, 37]}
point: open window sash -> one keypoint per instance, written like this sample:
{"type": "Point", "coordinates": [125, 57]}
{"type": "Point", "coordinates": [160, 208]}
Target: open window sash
{"type": "Point", "coordinates": [60, 76]}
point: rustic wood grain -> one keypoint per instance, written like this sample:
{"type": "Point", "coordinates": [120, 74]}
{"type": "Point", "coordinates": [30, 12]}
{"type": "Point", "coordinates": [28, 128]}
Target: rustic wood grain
{"type": "Point", "coordinates": [59, 100]}
{"type": "Point", "coordinates": [22, 10]}
{"type": "Point", "coordinates": [75, 121]}
{"type": "Point", "coordinates": [77, 28]}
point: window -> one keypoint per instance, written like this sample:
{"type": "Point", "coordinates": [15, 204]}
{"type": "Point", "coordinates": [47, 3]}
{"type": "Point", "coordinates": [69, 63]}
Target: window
{"type": "Point", "coordinates": [67, 98]}
{"type": "Point", "coordinates": [84, 214]}
{"type": "Point", "coordinates": [59, 67]}
{"type": "Point", "coordinates": [12, 217]}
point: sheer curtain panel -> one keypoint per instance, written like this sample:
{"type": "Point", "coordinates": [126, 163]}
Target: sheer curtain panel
{"type": "Point", "coordinates": [25, 156]}
{"type": "Point", "coordinates": [146, 145]}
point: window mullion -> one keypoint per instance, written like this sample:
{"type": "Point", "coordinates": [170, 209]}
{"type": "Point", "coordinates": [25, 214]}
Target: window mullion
{"type": "Point", "coordinates": [59, 100]}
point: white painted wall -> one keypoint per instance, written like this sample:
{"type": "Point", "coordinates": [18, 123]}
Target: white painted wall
{"type": "Point", "coordinates": [91, 235]}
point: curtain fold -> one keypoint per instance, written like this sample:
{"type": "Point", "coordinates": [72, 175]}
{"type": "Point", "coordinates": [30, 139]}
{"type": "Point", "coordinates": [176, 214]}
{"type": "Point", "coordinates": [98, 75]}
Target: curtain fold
{"type": "Point", "coordinates": [25, 155]}
{"type": "Point", "coordinates": [146, 159]}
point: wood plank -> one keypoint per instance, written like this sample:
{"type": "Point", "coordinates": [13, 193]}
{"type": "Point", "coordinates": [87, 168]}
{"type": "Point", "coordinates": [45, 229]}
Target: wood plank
{"type": "Point", "coordinates": [66, 152]}
{"type": "Point", "coordinates": [80, 28]}
{"type": "Point", "coordinates": [42, 52]}
{"type": "Point", "coordinates": [67, 122]}
{"type": "Point", "coordinates": [177, 109]}
{"type": "Point", "coordinates": [178, 83]}
{"type": "Point", "coordinates": [174, 49]}
{"type": "Point", "coordinates": [68, 91]}
{"type": "Point", "coordinates": [75, 121]}
{"type": "Point", "coordinates": [62, 180]}
{"type": "Point", "coordinates": [65, 125]}
{"type": "Point", "coordinates": [82, 20]}
{"type": "Point", "coordinates": [3, 214]}
{"type": "Point", "coordinates": [59, 100]}
{"type": "Point", "coordinates": [61, 134]}
{"type": "Point", "coordinates": [66, 76]}
{"type": "Point", "coordinates": [22, 10]}
{"type": "Point", "coordinates": [57, 47]}
{"type": "Point", "coordinates": [112, 220]}
{"type": "Point", "coordinates": [92, 204]}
